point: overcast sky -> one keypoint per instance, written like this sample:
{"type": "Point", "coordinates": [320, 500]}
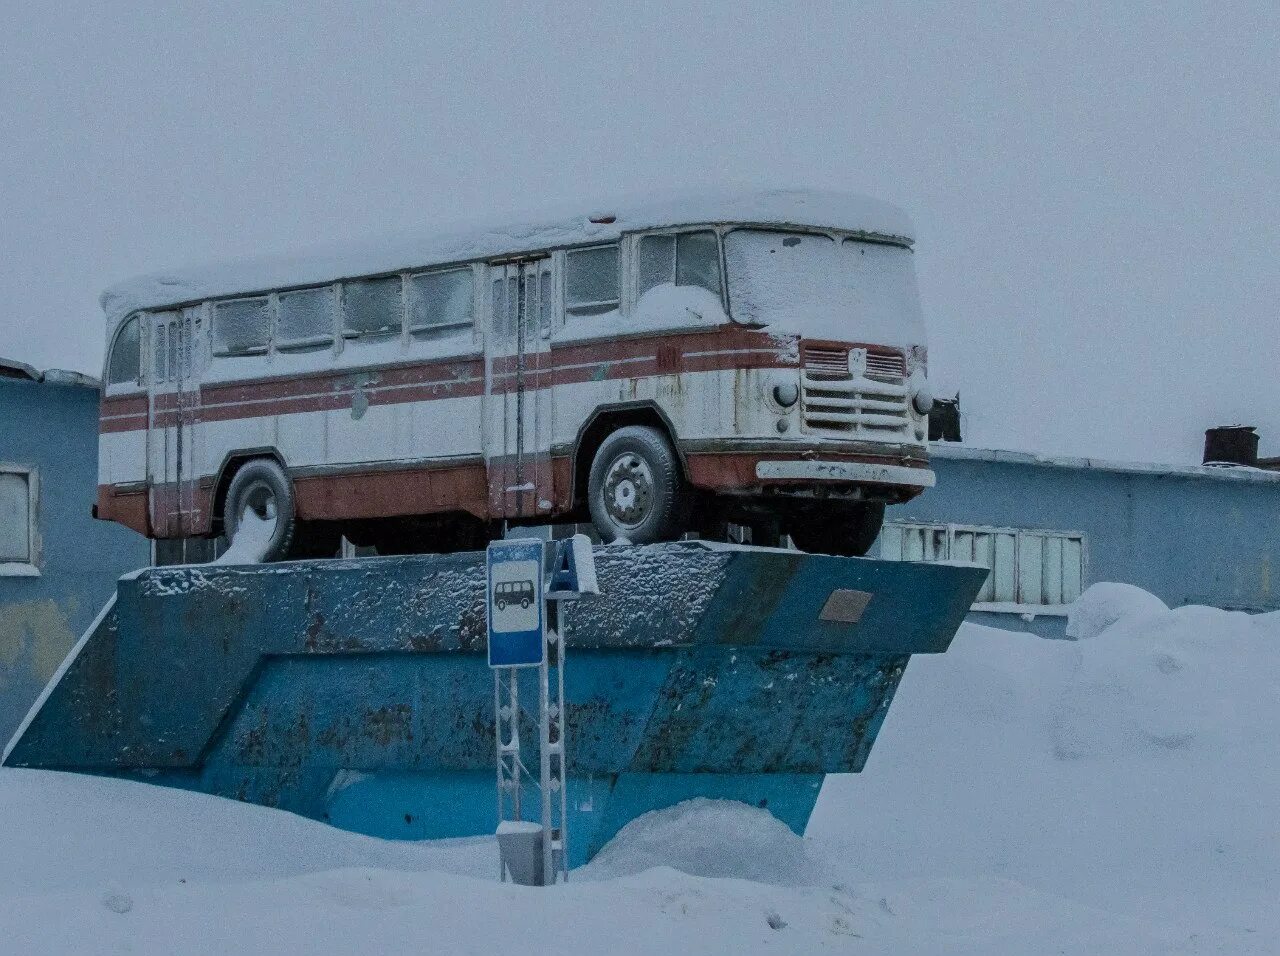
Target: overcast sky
{"type": "Point", "coordinates": [1094, 184]}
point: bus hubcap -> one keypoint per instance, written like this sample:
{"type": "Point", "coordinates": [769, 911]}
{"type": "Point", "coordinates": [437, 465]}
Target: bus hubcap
{"type": "Point", "coordinates": [628, 490]}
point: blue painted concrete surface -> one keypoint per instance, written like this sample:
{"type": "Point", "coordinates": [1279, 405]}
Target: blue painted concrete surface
{"type": "Point", "coordinates": [358, 691]}
{"type": "Point", "coordinates": [53, 427]}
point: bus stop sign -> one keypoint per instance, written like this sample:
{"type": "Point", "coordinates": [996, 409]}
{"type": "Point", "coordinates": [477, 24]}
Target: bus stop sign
{"type": "Point", "coordinates": [517, 620]}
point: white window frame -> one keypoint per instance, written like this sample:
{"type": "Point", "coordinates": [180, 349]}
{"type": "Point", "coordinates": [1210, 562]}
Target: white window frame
{"type": "Point", "coordinates": [1021, 536]}
{"type": "Point", "coordinates": [31, 567]}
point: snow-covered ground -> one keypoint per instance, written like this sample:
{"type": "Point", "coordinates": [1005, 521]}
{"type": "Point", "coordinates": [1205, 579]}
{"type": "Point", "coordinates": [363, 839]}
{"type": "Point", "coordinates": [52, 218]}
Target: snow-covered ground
{"type": "Point", "coordinates": [1115, 795]}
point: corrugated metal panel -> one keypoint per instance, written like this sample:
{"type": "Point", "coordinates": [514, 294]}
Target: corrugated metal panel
{"type": "Point", "coordinates": [1028, 567]}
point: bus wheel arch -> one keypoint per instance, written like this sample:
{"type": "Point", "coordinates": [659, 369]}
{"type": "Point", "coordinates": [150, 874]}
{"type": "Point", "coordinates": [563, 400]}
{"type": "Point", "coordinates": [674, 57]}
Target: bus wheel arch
{"type": "Point", "coordinates": [604, 422]}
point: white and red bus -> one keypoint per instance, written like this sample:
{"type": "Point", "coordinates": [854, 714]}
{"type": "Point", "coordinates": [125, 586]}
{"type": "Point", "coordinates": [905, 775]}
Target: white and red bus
{"type": "Point", "coordinates": [754, 358]}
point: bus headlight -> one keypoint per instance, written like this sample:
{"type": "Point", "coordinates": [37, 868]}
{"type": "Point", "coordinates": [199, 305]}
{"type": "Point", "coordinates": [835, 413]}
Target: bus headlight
{"type": "Point", "coordinates": [922, 395]}
{"type": "Point", "coordinates": [786, 394]}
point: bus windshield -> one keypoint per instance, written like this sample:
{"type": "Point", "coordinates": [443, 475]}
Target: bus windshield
{"type": "Point", "coordinates": [824, 288]}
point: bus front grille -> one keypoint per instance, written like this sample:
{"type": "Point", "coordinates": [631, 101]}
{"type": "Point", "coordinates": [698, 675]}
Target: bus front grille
{"type": "Point", "coordinates": [862, 395]}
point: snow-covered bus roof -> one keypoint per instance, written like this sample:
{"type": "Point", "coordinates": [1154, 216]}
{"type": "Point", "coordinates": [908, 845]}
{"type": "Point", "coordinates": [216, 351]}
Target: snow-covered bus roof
{"type": "Point", "coordinates": [598, 222]}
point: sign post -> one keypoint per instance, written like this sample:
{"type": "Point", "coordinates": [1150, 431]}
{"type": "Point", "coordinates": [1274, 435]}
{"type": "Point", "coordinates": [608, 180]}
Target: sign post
{"type": "Point", "coordinates": [526, 629]}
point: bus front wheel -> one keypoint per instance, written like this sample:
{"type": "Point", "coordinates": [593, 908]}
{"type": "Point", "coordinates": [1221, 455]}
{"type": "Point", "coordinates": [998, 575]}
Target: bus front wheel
{"type": "Point", "coordinates": [635, 491]}
{"type": "Point", "coordinates": [847, 534]}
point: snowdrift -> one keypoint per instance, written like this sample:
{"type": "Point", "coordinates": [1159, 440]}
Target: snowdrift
{"type": "Point", "coordinates": [1117, 794]}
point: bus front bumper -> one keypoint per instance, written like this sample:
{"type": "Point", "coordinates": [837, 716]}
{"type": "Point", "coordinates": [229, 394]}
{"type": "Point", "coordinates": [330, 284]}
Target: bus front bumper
{"type": "Point", "coordinates": [845, 471]}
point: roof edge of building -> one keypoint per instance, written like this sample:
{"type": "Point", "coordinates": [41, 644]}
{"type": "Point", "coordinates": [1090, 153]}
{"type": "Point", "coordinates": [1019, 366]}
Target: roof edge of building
{"type": "Point", "coordinates": [959, 452]}
{"type": "Point", "coordinates": [13, 369]}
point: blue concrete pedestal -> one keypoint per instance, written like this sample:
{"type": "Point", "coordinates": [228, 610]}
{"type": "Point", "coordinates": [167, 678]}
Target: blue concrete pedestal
{"type": "Point", "coordinates": [358, 691]}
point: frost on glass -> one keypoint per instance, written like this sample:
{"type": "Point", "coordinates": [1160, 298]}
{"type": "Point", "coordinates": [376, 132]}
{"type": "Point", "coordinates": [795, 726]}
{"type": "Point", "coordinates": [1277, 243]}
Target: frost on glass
{"type": "Point", "coordinates": [441, 300]}
{"type": "Point", "coordinates": [689, 258]}
{"type": "Point", "coordinates": [126, 355]}
{"type": "Point", "coordinates": [591, 281]}
{"type": "Point", "coordinates": [371, 307]}
{"type": "Point", "coordinates": [160, 341]}
{"type": "Point", "coordinates": [698, 260]}
{"type": "Point", "coordinates": [304, 319]}
{"type": "Point", "coordinates": [544, 300]}
{"type": "Point", "coordinates": [775, 274]}
{"type": "Point", "coordinates": [15, 518]}
{"type": "Point", "coordinates": [241, 327]}
{"type": "Point", "coordinates": [655, 261]}
{"type": "Point", "coordinates": [809, 283]}
{"type": "Point", "coordinates": [174, 328]}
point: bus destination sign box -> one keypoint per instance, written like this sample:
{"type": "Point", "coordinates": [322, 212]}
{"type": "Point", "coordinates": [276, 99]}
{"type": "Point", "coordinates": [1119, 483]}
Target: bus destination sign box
{"type": "Point", "coordinates": [515, 603]}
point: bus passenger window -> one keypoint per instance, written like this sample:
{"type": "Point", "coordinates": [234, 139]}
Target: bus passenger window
{"type": "Point", "coordinates": [591, 285]}
{"type": "Point", "coordinates": [371, 307]}
{"type": "Point", "coordinates": [241, 327]}
{"type": "Point", "coordinates": [125, 367]}
{"type": "Point", "coordinates": [160, 359]}
{"type": "Point", "coordinates": [304, 319]}
{"type": "Point", "coordinates": [441, 300]}
{"type": "Point", "coordinates": [689, 258]}
{"type": "Point", "coordinates": [173, 349]}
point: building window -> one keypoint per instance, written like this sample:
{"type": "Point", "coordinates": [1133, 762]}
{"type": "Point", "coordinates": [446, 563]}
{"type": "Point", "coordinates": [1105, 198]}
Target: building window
{"type": "Point", "coordinates": [1029, 568]}
{"type": "Point", "coordinates": [17, 522]}
{"type": "Point", "coordinates": [591, 284]}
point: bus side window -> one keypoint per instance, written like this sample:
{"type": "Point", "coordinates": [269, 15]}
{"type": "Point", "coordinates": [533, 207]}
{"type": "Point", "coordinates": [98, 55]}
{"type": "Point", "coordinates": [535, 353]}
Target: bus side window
{"type": "Point", "coordinates": [371, 307]}
{"type": "Point", "coordinates": [688, 258]}
{"type": "Point", "coordinates": [304, 319]}
{"type": "Point", "coordinates": [125, 364]}
{"type": "Point", "coordinates": [160, 358]}
{"type": "Point", "coordinates": [544, 302]}
{"type": "Point", "coordinates": [591, 283]}
{"type": "Point", "coordinates": [441, 301]}
{"type": "Point", "coordinates": [241, 327]}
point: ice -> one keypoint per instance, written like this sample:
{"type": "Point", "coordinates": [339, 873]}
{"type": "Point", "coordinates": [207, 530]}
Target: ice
{"type": "Point", "coordinates": [253, 538]}
{"type": "Point", "coordinates": [446, 243]}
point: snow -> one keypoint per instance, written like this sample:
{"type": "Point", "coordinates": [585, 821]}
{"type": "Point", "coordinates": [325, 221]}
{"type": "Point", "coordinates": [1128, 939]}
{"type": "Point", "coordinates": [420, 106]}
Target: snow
{"type": "Point", "coordinates": [518, 233]}
{"type": "Point", "coordinates": [1106, 603]}
{"type": "Point", "coordinates": [1116, 794]}
{"type": "Point", "coordinates": [253, 538]}
{"type": "Point", "coordinates": [708, 838]}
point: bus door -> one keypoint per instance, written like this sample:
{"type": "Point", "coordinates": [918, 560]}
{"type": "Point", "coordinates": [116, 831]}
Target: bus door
{"type": "Point", "coordinates": [518, 390]}
{"type": "Point", "coordinates": [174, 397]}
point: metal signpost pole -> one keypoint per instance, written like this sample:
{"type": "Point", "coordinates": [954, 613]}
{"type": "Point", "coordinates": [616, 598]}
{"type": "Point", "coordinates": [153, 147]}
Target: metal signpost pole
{"type": "Point", "coordinates": [517, 622]}
{"type": "Point", "coordinates": [526, 628]}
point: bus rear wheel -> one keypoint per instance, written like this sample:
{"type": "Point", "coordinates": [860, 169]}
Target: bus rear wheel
{"type": "Point", "coordinates": [849, 533]}
{"type": "Point", "coordinates": [262, 494]}
{"type": "Point", "coordinates": [635, 491]}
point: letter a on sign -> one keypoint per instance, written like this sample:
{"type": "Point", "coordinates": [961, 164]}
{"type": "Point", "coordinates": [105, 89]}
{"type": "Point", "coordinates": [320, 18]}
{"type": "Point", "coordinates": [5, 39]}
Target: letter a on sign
{"type": "Point", "coordinates": [515, 601]}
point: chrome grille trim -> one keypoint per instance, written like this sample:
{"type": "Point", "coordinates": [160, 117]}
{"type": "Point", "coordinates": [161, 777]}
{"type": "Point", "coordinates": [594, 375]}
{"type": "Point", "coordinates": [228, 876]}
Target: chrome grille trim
{"type": "Point", "coordinates": [837, 403]}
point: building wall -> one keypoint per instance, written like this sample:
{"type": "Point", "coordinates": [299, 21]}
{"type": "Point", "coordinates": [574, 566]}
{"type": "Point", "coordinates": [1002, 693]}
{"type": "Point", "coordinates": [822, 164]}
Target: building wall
{"type": "Point", "coordinates": [54, 427]}
{"type": "Point", "coordinates": [1187, 535]}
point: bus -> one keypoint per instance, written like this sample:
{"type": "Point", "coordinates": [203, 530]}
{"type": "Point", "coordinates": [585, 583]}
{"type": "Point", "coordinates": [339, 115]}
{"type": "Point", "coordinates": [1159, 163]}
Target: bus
{"type": "Point", "coordinates": [689, 364]}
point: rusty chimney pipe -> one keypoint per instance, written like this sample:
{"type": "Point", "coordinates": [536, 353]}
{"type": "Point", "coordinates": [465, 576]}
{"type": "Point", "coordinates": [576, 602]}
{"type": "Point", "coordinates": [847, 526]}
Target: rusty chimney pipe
{"type": "Point", "coordinates": [1231, 445]}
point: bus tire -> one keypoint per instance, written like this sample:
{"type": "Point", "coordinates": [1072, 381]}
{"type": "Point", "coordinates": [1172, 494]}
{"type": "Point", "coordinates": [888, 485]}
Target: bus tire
{"type": "Point", "coordinates": [635, 491]}
{"type": "Point", "coordinates": [262, 486]}
{"type": "Point", "coordinates": [847, 534]}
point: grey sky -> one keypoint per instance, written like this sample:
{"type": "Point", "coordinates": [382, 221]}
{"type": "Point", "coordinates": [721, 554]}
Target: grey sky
{"type": "Point", "coordinates": [1094, 184]}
